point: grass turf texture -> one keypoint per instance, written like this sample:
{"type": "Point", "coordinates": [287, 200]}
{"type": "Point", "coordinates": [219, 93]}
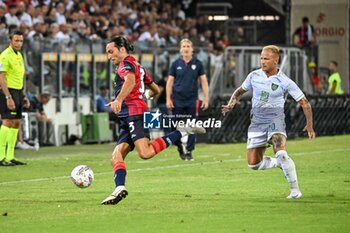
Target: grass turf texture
{"type": "Point", "coordinates": [214, 193]}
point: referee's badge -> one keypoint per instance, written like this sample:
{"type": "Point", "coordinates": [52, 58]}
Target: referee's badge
{"type": "Point", "coordinates": [274, 86]}
{"type": "Point", "coordinates": [193, 67]}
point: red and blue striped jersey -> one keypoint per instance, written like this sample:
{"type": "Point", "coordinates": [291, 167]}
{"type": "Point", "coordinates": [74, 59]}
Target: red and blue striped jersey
{"type": "Point", "coordinates": [134, 103]}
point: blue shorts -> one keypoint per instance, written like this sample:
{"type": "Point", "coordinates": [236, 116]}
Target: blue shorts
{"type": "Point", "coordinates": [131, 129]}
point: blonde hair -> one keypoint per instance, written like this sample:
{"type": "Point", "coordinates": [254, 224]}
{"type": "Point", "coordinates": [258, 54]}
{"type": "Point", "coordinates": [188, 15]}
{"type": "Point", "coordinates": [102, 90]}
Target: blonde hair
{"type": "Point", "coordinates": [273, 49]}
{"type": "Point", "coordinates": [186, 41]}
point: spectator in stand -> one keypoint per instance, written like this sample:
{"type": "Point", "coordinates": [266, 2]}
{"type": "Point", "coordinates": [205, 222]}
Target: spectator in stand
{"type": "Point", "coordinates": [202, 24]}
{"type": "Point", "coordinates": [36, 32]}
{"type": "Point", "coordinates": [3, 24]}
{"type": "Point", "coordinates": [57, 34]}
{"type": "Point", "coordinates": [194, 37]}
{"type": "Point", "coordinates": [178, 12]}
{"type": "Point", "coordinates": [101, 102]}
{"type": "Point", "coordinates": [38, 15]}
{"type": "Point", "coordinates": [21, 144]}
{"type": "Point", "coordinates": [12, 2]}
{"type": "Point", "coordinates": [11, 17]}
{"type": "Point", "coordinates": [334, 80]}
{"type": "Point", "coordinates": [225, 40]}
{"type": "Point", "coordinates": [316, 81]}
{"type": "Point", "coordinates": [44, 122]}
{"type": "Point", "coordinates": [239, 37]}
{"type": "Point", "coordinates": [60, 17]}
{"type": "Point", "coordinates": [304, 37]}
{"type": "Point", "coordinates": [25, 18]}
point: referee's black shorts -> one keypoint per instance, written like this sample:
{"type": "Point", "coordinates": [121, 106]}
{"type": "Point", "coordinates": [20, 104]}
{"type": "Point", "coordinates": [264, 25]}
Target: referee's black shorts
{"type": "Point", "coordinates": [17, 96]}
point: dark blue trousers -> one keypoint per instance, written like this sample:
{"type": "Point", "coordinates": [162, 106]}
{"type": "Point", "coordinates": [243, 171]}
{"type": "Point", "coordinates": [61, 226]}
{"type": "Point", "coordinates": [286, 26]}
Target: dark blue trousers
{"type": "Point", "coordinates": [187, 110]}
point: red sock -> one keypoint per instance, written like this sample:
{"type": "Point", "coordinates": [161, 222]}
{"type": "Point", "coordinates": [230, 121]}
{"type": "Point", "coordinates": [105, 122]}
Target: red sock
{"type": "Point", "coordinates": [119, 165]}
{"type": "Point", "coordinates": [158, 145]}
{"type": "Point", "coordinates": [119, 173]}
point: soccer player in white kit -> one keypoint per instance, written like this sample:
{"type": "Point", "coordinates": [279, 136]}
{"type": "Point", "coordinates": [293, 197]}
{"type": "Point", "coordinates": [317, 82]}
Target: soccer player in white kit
{"type": "Point", "coordinates": [269, 86]}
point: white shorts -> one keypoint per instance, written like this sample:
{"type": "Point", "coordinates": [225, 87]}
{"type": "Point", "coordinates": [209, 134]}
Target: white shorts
{"type": "Point", "coordinates": [260, 133]}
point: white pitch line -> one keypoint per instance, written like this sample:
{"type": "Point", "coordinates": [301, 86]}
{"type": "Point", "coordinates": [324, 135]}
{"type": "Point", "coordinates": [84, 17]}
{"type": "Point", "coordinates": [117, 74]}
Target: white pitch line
{"type": "Point", "coordinates": [191, 164]}
{"type": "Point", "coordinates": [320, 151]}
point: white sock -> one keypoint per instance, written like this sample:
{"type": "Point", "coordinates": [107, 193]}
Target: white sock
{"type": "Point", "coordinates": [288, 168]}
{"type": "Point", "coordinates": [266, 163]}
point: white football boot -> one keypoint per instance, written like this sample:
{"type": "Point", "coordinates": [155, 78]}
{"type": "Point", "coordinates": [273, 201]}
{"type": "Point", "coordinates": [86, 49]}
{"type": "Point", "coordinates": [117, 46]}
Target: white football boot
{"type": "Point", "coordinates": [295, 195]}
{"type": "Point", "coordinates": [118, 194]}
{"type": "Point", "coordinates": [192, 130]}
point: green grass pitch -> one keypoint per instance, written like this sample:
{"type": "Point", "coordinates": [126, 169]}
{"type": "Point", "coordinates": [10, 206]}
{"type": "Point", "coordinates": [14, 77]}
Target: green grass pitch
{"type": "Point", "coordinates": [215, 193]}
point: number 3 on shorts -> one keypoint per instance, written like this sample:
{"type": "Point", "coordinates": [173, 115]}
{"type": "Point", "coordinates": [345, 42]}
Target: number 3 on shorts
{"type": "Point", "coordinates": [131, 127]}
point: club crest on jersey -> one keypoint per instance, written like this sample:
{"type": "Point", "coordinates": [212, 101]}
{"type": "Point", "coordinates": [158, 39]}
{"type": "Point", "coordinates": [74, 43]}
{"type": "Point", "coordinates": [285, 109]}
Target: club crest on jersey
{"type": "Point", "coordinates": [193, 67]}
{"type": "Point", "coordinates": [274, 86]}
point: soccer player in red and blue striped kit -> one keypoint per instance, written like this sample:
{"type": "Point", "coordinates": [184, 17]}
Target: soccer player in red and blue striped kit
{"type": "Point", "coordinates": [129, 104]}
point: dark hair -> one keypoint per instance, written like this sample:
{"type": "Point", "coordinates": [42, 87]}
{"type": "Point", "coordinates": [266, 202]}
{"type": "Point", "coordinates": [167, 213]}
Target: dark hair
{"type": "Point", "coordinates": [120, 41]}
{"type": "Point", "coordinates": [18, 33]}
{"type": "Point", "coordinates": [335, 63]}
{"type": "Point", "coordinates": [305, 19]}
{"type": "Point", "coordinates": [103, 87]}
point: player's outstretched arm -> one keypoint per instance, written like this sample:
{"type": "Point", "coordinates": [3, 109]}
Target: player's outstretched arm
{"type": "Point", "coordinates": [304, 103]}
{"type": "Point", "coordinates": [233, 100]}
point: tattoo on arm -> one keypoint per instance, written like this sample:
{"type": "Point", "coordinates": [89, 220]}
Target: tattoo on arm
{"type": "Point", "coordinates": [304, 103]}
{"type": "Point", "coordinates": [236, 94]}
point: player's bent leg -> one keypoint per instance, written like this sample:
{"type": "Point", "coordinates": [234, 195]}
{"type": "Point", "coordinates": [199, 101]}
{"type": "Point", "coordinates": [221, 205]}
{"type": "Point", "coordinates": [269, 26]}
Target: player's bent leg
{"type": "Point", "coordinates": [148, 149]}
{"type": "Point", "coordinates": [278, 142]}
{"type": "Point", "coordinates": [258, 161]}
{"type": "Point", "coordinates": [144, 148]}
{"type": "Point", "coordinates": [254, 157]}
{"type": "Point", "coordinates": [120, 192]}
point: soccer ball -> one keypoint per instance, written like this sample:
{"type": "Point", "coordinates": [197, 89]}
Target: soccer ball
{"type": "Point", "coordinates": [82, 176]}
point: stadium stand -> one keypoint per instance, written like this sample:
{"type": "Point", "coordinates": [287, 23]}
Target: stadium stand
{"type": "Point", "coordinates": [64, 49]}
